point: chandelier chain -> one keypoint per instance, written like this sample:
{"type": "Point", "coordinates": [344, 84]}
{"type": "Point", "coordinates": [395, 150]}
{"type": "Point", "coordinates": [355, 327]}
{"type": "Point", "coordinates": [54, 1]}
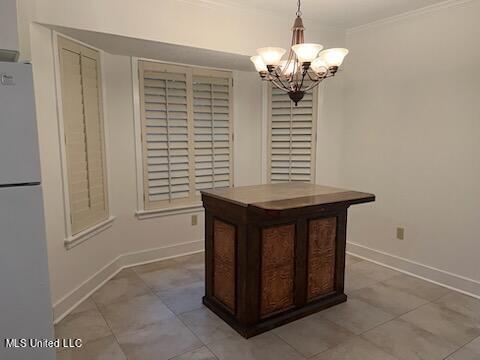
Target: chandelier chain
{"type": "Point", "coordinates": [299, 12]}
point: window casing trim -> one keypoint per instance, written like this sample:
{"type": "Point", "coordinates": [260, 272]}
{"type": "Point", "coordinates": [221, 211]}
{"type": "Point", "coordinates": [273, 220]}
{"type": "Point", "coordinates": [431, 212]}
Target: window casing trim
{"type": "Point", "coordinates": [86, 234]}
{"type": "Point", "coordinates": [69, 236]}
{"type": "Point", "coordinates": [177, 210]}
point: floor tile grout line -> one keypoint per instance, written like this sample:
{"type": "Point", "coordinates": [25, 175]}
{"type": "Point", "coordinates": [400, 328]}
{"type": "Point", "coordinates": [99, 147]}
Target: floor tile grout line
{"type": "Point", "coordinates": [211, 351]}
{"type": "Point", "coordinates": [446, 357]}
{"type": "Point", "coordinates": [397, 317]}
{"type": "Point", "coordinates": [194, 334]}
{"type": "Point", "coordinates": [146, 284]}
{"type": "Point", "coordinates": [106, 323]}
{"type": "Point", "coordinates": [353, 337]}
{"type": "Point", "coordinates": [99, 306]}
{"type": "Point", "coordinates": [186, 352]}
{"type": "Point", "coordinates": [113, 334]}
{"type": "Point", "coordinates": [291, 346]}
{"type": "Point", "coordinates": [80, 312]}
{"type": "Point", "coordinates": [461, 348]}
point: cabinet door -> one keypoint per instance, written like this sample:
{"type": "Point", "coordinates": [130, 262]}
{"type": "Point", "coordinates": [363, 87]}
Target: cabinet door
{"type": "Point", "coordinates": [321, 257]}
{"type": "Point", "coordinates": [278, 269]}
{"type": "Point", "coordinates": [224, 264]}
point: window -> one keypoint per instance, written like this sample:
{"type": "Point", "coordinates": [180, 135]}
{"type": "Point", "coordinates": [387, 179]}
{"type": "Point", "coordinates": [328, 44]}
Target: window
{"type": "Point", "coordinates": [292, 137]}
{"type": "Point", "coordinates": [84, 134]}
{"type": "Point", "coordinates": [186, 132]}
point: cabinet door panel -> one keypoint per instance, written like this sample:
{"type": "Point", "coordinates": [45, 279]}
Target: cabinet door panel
{"type": "Point", "coordinates": [224, 264]}
{"type": "Point", "coordinates": [277, 274]}
{"type": "Point", "coordinates": [321, 257]}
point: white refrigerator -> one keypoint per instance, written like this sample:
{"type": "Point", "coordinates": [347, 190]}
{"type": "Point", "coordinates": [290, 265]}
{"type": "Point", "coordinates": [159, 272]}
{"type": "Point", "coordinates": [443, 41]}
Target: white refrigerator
{"type": "Point", "coordinates": [25, 302]}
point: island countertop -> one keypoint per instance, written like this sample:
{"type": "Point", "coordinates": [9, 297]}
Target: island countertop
{"type": "Point", "coordinates": [288, 195]}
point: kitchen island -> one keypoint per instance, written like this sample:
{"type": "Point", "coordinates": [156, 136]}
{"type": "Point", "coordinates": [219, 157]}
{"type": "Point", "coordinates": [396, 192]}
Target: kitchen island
{"type": "Point", "coordinates": [275, 253]}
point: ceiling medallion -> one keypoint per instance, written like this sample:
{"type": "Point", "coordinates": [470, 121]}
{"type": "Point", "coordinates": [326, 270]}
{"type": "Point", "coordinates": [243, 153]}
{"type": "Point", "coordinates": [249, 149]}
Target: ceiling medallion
{"type": "Point", "coordinates": [306, 65]}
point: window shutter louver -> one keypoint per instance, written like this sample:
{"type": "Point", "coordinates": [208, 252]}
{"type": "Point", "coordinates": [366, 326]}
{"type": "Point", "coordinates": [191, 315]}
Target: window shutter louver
{"type": "Point", "coordinates": [84, 138]}
{"type": "Point", "coordinates": [166, 134]}
{"type": "Point", "coordinates": [212, 131]}
{"type": "Point", "coordinates": [292, 137]}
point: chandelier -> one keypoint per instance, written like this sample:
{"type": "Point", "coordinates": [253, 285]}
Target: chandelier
{"type": "Point", "coordinates": [305, 67]}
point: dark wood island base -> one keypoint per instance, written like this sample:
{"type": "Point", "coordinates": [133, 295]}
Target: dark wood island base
{"type": "Point", "coordinates": [275, 253]}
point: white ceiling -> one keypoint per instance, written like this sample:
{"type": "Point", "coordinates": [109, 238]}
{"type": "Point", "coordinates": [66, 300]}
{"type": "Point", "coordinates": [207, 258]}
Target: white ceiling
{"type": "Point", "coordinates": [340, 13]}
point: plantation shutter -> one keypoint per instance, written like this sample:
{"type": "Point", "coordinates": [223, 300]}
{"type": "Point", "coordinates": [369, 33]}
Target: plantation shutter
{"type": "Point", "coordinates": [186, 132]}
{"type": "Point", "coordinates": [84, 137]}
{"type": "Point", "coordinates": [165, 108]}
{"type": "Point", "coordinates": [212, 129]}
{"type": "Point", "coordinates": [292, 137]}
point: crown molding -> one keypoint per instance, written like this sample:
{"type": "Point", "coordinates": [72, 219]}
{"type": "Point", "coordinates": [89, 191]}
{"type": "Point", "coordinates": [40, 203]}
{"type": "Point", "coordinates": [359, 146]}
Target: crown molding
{"type": "Point", "coordinates": [212, 4]}
{"type": "Point", "coordinates": [424, 10]}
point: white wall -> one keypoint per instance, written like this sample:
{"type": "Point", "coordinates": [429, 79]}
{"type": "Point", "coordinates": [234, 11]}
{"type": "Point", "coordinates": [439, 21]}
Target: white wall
{"type": "Point", "coordinates": [247, 115]}
{"type": "Point", "coordinates": [330, 130]}
{"type": "Point", "coordinates": [411, 136]}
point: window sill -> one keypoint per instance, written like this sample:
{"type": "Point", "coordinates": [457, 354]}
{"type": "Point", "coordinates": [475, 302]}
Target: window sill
{"type": "Point", "coordinates": [79, 238]}
{"type": "Point", "coordinates": [187, 209]}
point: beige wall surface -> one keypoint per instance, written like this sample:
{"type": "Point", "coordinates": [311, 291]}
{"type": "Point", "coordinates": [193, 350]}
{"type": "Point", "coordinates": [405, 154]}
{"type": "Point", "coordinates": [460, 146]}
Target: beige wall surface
{"type": "Point", "coordinates": [411, 136]}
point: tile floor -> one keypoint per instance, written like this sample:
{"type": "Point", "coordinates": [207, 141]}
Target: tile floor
{"type": "Point", "coordinates": [154, 312]}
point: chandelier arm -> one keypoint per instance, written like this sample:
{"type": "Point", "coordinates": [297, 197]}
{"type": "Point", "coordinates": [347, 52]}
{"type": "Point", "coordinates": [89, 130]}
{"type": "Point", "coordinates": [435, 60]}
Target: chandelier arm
{"type": "Point", "coordinates": [315, 84]}
{"type": "Point", "coordinates": [286, 88]}
{"type": "Point", "coordinates": [317, 81]}
{"type": "Point", "coordinates": [277, 82]}
{"type": "Point", "coordinates": [314, 81]}
{"type": "Point", "coordinates": [317, 78]}
{"type": "Point", "coordinates": [305, 72]}
{"type": "Point", "coordinates": [279, 86]}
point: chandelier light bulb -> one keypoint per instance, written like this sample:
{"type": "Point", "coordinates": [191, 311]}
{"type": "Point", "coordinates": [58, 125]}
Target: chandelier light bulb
{"type": "Point", "coordinates": [306, 52]}
{"type": "Point", "coordinates": [320, 66]}
{"type": "Point", "coordinates": [333, 57]}
{"type": "Point", "coordinates": [259, 64]}
{"type": "Point", "coordinates": [271, 55]}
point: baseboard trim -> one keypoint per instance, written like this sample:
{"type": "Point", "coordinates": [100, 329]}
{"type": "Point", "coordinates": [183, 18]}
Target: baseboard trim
{"type": "Point", "coordinates": [444, 278]}
{"type": "Point", "coordinates": [69, 302]}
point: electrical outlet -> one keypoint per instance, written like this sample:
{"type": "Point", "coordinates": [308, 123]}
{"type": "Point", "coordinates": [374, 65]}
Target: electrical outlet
{"type": "Point", "coordinates": [194, 220]}
{"type": "Point", "coordinates": [400, 233]}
